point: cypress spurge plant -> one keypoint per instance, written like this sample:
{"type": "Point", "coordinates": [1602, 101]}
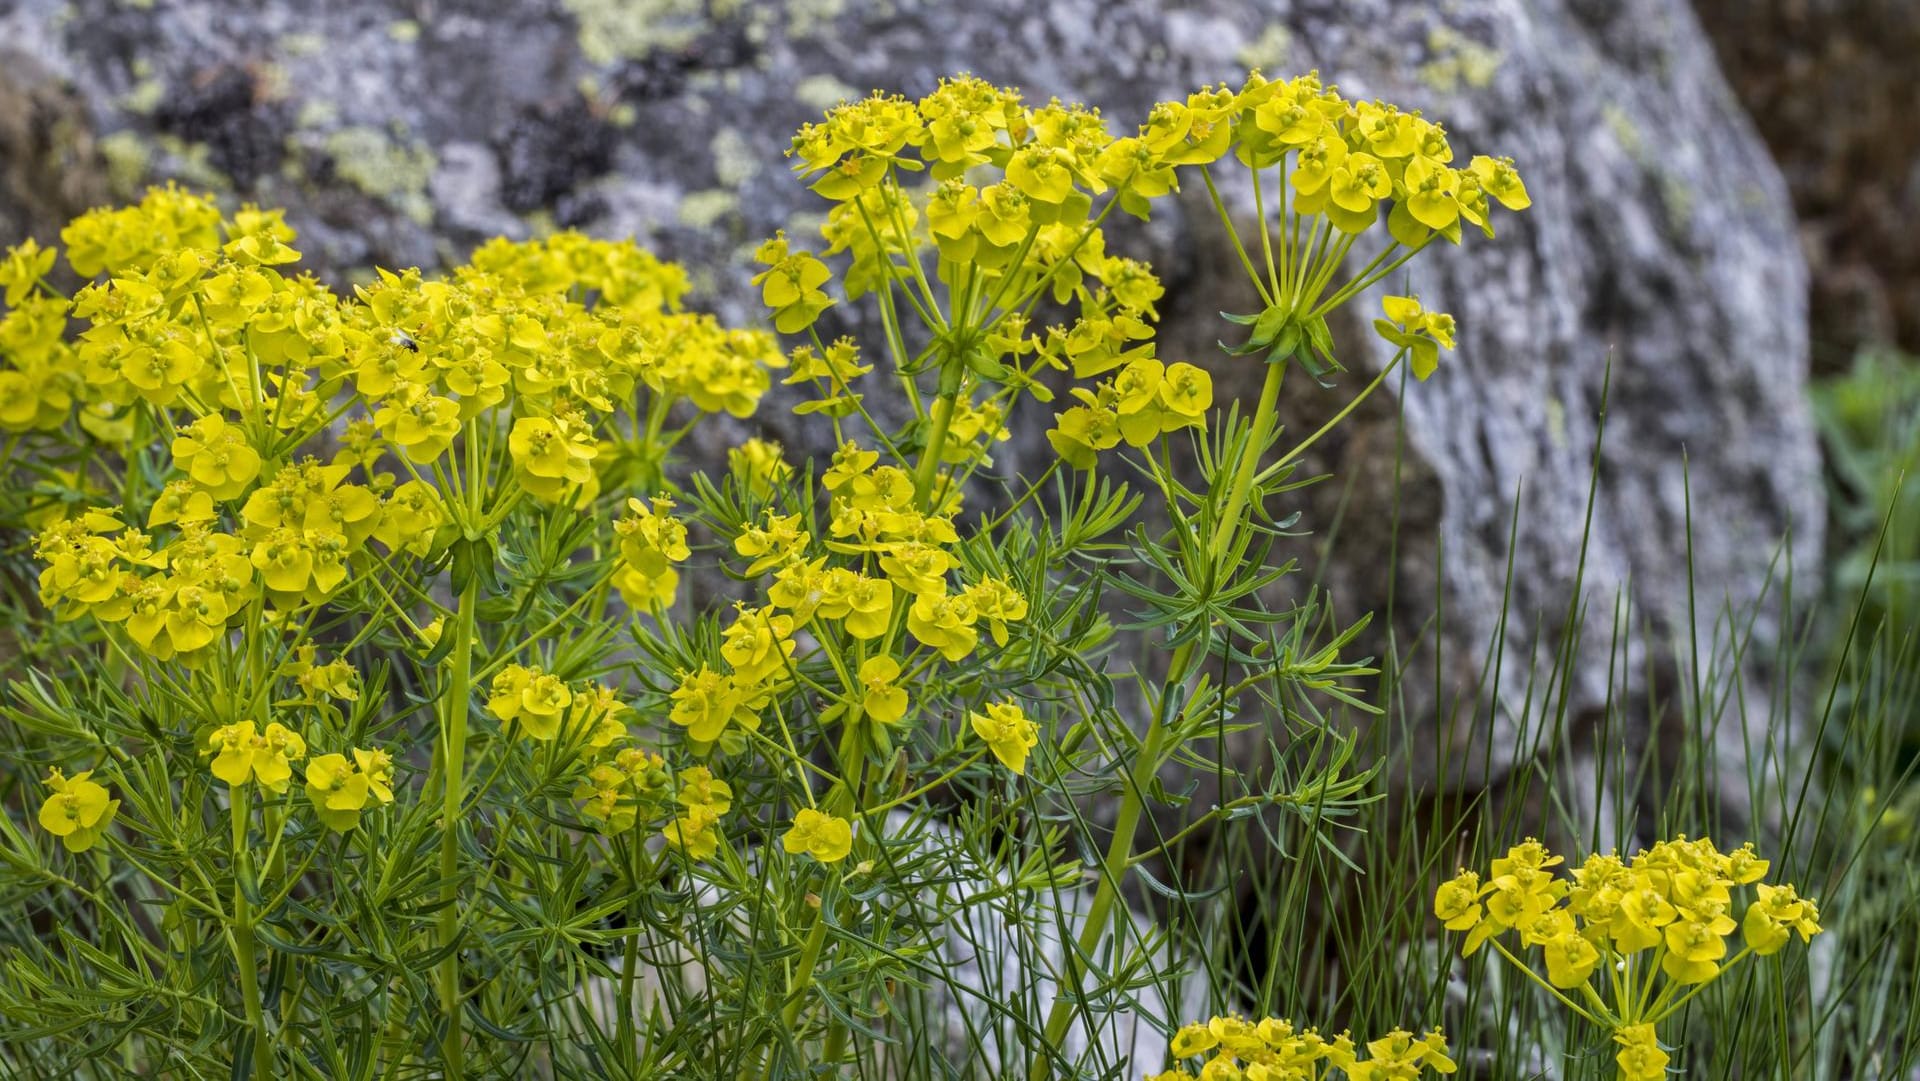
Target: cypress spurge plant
{"type": "Point", "coordinates": [398, 748]}
{"type": "Point", "coordinates": [1626, 944]}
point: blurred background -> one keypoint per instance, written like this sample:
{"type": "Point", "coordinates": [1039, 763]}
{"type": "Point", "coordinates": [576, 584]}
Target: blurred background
{"type": "Point", "coordinates": [1721, 255]}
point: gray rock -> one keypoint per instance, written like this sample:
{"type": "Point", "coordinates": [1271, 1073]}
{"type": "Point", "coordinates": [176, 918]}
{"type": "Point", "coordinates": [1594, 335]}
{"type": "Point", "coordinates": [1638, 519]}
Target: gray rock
{"type": "Point", "coordinates": [1660, 243]}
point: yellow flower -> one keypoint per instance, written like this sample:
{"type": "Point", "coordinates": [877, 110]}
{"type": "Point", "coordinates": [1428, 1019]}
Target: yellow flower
{"type": "Point", "coordinates": [790, 285]}
{"type": "Point", "coordinates": [880, 699]}
{"type": "Point", "coordinates": [1570, 959]}
{"type": "Point", "coordinates": [1640, 1057]}
{"type": "Point", "coordinates": [25, 264]}
{"type": "Point", "coordinates": [1193, 1040]}
{"type": "Point", "coordinates": [1008, 733]}
{"type": "Point", "coordinates": [1501, 181]}
{"type": "Point", "coordinates": [1399, 1055]}
{"type": "Point", "coordinates": [701, 790]}
{"type": "Point", "coordinates": [1775, 916]}
{"type": "Point", "coordinates": [241, 754]}
{"type": "Point", "coordinates": [944, 624]}
{"type": "Point", "coordinates": [825, 837]}
{"type": "Point", "coordinates": [758, 466]}
{"type": "Point", "coordinates": [217, 456]}
{"type": "Point", "coordinates": [551, 455]}
{"type": "Point", "coordinates": [919, 569]}
{"type": "Point", "coordinates": [409, 518]}
{"type": "Point", "coordinates": [1421, 332]}
{"type": "Point", "coordinates": [865, 604]}
{"type": "Point", "coordinates": [780, 540]}
{"type": "Point", "coordinates": [419, 422]}
{"type": "Point", "coordinates": [503, 695]}
{"type": "Point", "coordinates": [849, 462]}
{"type": "Point", "coordinates": [1744, 866]}
{"type": "Point", "coordinates": [79, 810]}
{"type": "Point", "coordinates": [696, 833]}
{"type": "Point", "coordinates": [377, 767]}
{"type": "Point", "coordinates": [1457, 902]}
{"type": "Point", "coordinates": [1043, 174]}
{"type": "Point", "coordinates": [543, 702]}
{"type": "Point", "coordinates": [337, 792]}
{"type": "Point", "coordinates": [757, 644]}
{"type": "Point", "coordinates": [706, 702]}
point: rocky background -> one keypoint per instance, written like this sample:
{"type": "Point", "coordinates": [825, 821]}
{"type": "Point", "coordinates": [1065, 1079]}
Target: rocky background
{"type": "Point", "coordinates": [1662, 270]}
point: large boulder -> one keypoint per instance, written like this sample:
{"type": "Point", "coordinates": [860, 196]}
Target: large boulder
{"type": "Point", "coordinates": [1660, 247]}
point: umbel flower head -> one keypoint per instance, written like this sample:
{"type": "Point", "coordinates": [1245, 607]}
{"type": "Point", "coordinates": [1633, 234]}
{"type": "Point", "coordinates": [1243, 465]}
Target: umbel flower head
{"type": "Point", "coordinates": [78, 811]}
{"type": "Point", "coordinates": [1274, 1050]}
{"type": "Point", "coordinates": [1657, 923]}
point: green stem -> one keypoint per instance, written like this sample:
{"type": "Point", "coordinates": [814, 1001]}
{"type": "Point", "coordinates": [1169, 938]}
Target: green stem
{"type": "Point", "coordinates": [631, 959]}
{"type": "Point", "coordinates": [243, 944]}
{"type": "Point", "coordinates": [1544, 985]}
{"type": "Point", "coordinates": [1332, 422]}
{"type": "Point", "coordinates": [950, 373]}
{"type": "Point", "coordinates": [453, 753]}
{"type": "Point", "coordinates": [845, 802]}
{"type": "Point", "coordinates": [1662, 1010]}
{"type": "Point", "coordinates": [1153, 753]}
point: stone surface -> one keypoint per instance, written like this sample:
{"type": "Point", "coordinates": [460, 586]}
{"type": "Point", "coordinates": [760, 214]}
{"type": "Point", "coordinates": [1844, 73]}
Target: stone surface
{"type": "Point", "coordinates": [1832, 86]}
{"type": "Point", "coordinates": [1660, 244]}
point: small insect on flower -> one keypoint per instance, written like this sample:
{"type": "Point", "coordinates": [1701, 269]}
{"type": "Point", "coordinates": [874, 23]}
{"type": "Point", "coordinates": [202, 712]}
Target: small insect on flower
{"type": "Point", "coordinates": [79, 810]}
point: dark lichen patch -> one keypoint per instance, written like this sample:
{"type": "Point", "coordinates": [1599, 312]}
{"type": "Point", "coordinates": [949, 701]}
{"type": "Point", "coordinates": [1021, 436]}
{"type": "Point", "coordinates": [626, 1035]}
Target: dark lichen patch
{"type": "Point", "coordinates": [663, 73]}
{"type": "Point", "coordinates": [225, 109]}
{"type": "Point", "coordinates": [549, 150]}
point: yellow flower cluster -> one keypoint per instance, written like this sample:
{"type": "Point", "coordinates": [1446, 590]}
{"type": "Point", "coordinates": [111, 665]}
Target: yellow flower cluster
{"type": "Point", "coordinates": [242, 753]}
{"type": "Point", "coordinates": [627, 786]}
{"type": "Point", "coordinates": [340, 789]}
{"type": "Point", "coordinates": [651, 542]}
{"type": "Point", "coordinates": [827, 838]}
{"type": "Point", "coordinates": [1234, 1049]}
{"type": "Point", "coordinates": [39, 378]}
{"type": "Point", "coordinates": [1010, 211]}
{"type": "Point", "coordinates": [335, 679]}
{"type": "Point", "coordinates": [884, 565]}
{"type": "Point", "coordinates": [195, 332]}
{"type": "Point", "coordinates": [615, 792]}
{"type": "Point", "coordinates": [79, 810]}
{"type": "Point", "coordinates": [1640, 1058]}
{"type": "Point", "coordinates": [758, 466]}
{"type": "Point", "coordinates": [1144, 401]}
{"type": "Point", "coordinates": [702, 800]}
{"type": "Point", "coordinates": [1667, 913]}
{"type": "Point", "coordinates": [546, 706]}
{"type": "Point", "coordinates": [1012, 202]}
{"type": "Point", "coordinates": [1007, 731]}
{"type": "Point", "coordinates": [1675, 900]}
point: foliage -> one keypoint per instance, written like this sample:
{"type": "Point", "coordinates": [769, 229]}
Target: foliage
{"type": "Point", "coordinates": [406, 737]}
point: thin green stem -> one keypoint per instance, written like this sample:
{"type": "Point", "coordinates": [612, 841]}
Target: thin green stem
{"type": "Point", "coordinates": [453, 753]}
{"type": "Point", "coordinates": [1549, 988]}
{"type": "Point", "coordinates": [1153, 750]}
{"type": "Point", "coordinates": [241, 931]}
{"type": "Point", "coordinates": [1220, 208]}
{"type": "Point", "coordinates": [1281, 463]}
